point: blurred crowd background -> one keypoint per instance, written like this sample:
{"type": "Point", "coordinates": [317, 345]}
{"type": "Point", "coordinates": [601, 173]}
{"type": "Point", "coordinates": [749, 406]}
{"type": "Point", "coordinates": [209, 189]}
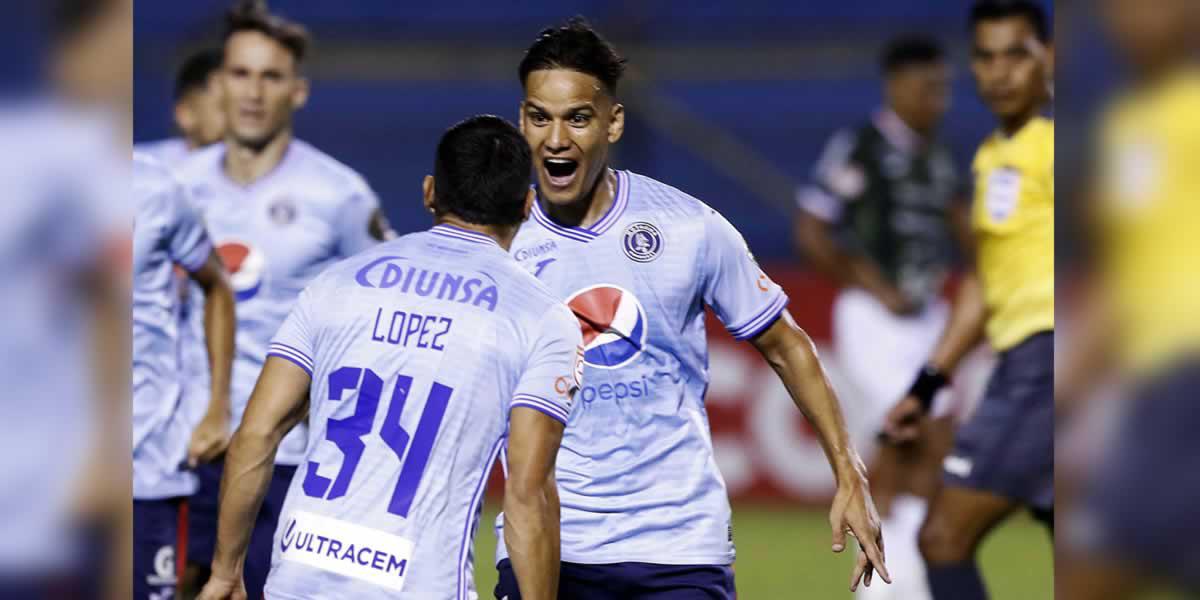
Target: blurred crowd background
{"type": "Point", "coordinates": [729, 101]}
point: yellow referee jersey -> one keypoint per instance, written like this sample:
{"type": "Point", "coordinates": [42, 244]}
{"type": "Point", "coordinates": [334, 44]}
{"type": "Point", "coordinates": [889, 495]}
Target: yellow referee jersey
{"type": "Point", "coordinates": [1150, 207]}
{"type": "Point", "coordinates": [1013, 218]}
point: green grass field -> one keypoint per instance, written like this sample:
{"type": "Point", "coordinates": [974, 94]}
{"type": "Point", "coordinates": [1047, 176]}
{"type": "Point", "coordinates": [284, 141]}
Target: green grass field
{"type": "Point", "coordinates": [784, 554]}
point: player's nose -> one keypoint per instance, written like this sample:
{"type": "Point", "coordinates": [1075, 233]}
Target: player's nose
{"type": "Point", "coordinates": [558, 139]}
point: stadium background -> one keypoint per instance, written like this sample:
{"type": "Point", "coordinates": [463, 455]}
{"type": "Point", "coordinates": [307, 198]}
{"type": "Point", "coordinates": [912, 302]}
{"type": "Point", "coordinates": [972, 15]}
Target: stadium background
{"type": "Point", "coordinates": [731, 102]}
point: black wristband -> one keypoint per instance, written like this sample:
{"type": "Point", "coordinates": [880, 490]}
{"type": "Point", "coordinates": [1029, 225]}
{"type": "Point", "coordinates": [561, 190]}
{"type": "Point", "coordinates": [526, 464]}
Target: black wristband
{"type": "Point", "coordinates": [929, 381]}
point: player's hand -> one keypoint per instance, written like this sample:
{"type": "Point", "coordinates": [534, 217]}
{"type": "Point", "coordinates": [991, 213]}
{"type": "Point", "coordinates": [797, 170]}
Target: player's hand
{"type": "Point", "coordinates": [223, 588]}
{"type": "Point", "coordinates": [903, 422]}
{"type": "Point", "coordinates": [209, 440]}
{"type": "Point", "coordinates": [854, 512]}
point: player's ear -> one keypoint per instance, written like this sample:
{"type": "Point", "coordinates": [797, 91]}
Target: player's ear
{"type": "Point", "coordinates": [427, 193]}
{"type": "Point", "coordinates": [185, 119]}
{"type": "Point", "coordinates": [300, 95]}
{"type": "Point", "coordinates": [616, 122]}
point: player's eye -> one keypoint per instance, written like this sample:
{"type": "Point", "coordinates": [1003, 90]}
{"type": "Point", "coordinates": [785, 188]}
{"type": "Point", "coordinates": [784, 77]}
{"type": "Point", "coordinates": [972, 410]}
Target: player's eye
{"type": "Point", "coordinates": [538, 118]}
{"type": "Point", "coordinates": [579, 119]}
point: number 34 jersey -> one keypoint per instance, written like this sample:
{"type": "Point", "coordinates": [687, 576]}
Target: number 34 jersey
{"type": "Point", "coordinates": [637, 478]}
{"type": "Point", "coordinates": [417, 349]}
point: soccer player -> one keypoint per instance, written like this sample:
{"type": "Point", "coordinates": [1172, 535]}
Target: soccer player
{"type": "Point", "coordinates": [280, 212]}
{"type": "Point", "coordinates": [168, 233]}
{"type": "Point", "coordinates": [879, 217]}
{"type": "Point", "coordinates": [1003, 455]}
{"type": "Point", "coordinates": [198, 113]}
{"type": "Point", "coordinates": [644, 508]}
{"type": "Point", "coordinates": [416, 362]}
{"type": "Point", "coordinates": [1142, 314]}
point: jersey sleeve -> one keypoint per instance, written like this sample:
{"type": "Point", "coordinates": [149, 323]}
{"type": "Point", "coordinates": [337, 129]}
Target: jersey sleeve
{"type": "Point", "coordinates": [837, 179]}
{"type": "Point", "coordinates": [189, 244]}
{"type": "Point", "coordinates": [295, 340]}
{"type": "Point", "coordinates": [745, 299]}
{"type": "Point", "coordinates": [361, 223]}
{"type": "Point", "coordinates": [554, 367]}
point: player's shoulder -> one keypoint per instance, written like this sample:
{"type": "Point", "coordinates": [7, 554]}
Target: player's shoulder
{"type": "Point", "coordinates": [151, 176]}
{"type": "Point", "coordinates": [200, 164]}
{"type": "Point", "coordinates": [319, 168]}
{"type": "Point", "coordinates": [168, 151]}
{"type": "Point", "coordinates": [649, 195]}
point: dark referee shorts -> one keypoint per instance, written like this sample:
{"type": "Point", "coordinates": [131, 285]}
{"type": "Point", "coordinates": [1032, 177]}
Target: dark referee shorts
{"type": "Point", "coordinates": [630, 581]}
{"type": "Point", "coordinates": [1007, 446]}
{"type": "Point", "coordinates": [1142, 505]}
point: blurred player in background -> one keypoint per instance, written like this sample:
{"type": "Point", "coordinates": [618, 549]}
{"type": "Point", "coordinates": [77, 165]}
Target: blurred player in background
{"type": "Point", "coordinates": [1141, 314]}
{"type": "Point", "coordinates": [469, 354]}
{"type": "Point", "coordinates": [65, 522]}
{"type": "Point", "coordinates": [645, 512]}
{"type": "Point", "coordinates": [199, 114]}
{"type": "Point", "coordinates": [168, 233]}
{"type": "Point", "coordinates": [280, 212]}
{"type": "Point", "coordinates": [879, 217]}
{"type": "Point", "coordinates": [1003, 455]}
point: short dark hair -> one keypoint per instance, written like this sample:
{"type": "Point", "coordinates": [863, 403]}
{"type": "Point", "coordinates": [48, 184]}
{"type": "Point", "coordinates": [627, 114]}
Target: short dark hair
{"type": "Point", "coordinates": [252, 15]}
{"type": "Point", "coordinates": [577, 47]}
{"type": "Point", "coordinates": [1030, 10]}
{"type": "Point", "coordinates": [482, 172]}
{"type": "Point", "coordinates": [69, 18]}
{"type": "Point", "coordinates": [196, 70]}
{"type": "Point", "coordinates": [910, 50]}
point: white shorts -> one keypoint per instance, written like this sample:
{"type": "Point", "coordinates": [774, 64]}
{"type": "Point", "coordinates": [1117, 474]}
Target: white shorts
{"type": "Point", "coordinates": [881, 352]}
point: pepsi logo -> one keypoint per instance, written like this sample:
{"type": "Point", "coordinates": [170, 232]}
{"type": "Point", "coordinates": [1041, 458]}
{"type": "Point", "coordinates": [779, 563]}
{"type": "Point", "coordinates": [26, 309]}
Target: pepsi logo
{"type": "Point", "coordinates": [613, 324]}
{"type": "Point", "coordinates": [246, 265]}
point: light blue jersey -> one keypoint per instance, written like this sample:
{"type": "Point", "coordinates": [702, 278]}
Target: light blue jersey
{"type": "Point", "coordinates": [166, 233]}
{"type": "Point", "coordinates": [274, 237]}
{"type": "Point", "coordinates": [417, 349]}
{"type": "Point", "coordinates": [637, 478]}
{"type": "Point", "coordinates": [169, 151]}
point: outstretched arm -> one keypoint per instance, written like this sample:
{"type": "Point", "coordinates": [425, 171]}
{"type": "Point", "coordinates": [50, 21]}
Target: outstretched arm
{"type": "Point", "coordinates": [793, 356]}
{"type": "Point", "coordinates": [531, 519]}
{"type": "Point", "coordinates": [279, 402]}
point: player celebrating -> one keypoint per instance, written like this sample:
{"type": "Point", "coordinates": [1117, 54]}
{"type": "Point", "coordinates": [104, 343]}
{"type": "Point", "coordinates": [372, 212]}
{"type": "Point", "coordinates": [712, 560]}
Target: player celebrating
{"type": "Point", "coordinates": [644, 508]}
{"type": "Point", "coordinates": [1003, 456]}
{"type": "Point", "coordinates": [168, 233]}
{"type": "Point", "coordinates": [281, 212]}
{"type": "Point", "coordinates": [462, 352]}
{"type": "Point", "coordinates": [198, 113]}
{"type": "Point", "coordinates": [1142, 317]}
{"type": "Point", "coordinates": [878, 219]}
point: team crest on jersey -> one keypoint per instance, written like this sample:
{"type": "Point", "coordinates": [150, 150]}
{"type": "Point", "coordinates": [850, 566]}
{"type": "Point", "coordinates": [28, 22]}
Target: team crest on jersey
{"type": "Point", "coordinates": [613, 323]}
{"type": "Point", "coordinates": [246, 265]}
{"type": "Point", "coordinates": [282, 211]}
{"type": "Point", "coordinates": [643, 242]}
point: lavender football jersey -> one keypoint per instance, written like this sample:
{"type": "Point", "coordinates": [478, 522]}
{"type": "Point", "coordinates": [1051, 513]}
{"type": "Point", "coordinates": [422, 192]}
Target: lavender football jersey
{"type": "Point", "coordinates": [166, 233]}
{"type": "Point", "coordinates": [637, 478]}
{"type": "Point", "coordinates": [274, 236]}
{"type": "Point", "coordinates": [417, 349]}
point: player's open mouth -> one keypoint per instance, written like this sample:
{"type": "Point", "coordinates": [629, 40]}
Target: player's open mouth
{"type": "Point", "coordinates": [560, 172]}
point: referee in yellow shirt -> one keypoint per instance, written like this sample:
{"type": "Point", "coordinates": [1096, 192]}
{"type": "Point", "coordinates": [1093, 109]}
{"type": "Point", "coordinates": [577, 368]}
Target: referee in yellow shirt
{"type": "Point", "coordinates": [1137, 519]}
{"type": "Point", "coordinates": [1003, 458]}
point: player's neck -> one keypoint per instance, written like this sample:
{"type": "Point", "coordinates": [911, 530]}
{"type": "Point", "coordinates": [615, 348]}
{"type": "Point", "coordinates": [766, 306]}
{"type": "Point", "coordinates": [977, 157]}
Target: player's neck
{"type": "Point", "coordinates": [591, 207]}
{"type": "Point", "coordinates": [245, 164]}
{"type": "Point", "coordinates": [1012, 125]}
{"type": "Point", "coordinates": [503, 234]}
